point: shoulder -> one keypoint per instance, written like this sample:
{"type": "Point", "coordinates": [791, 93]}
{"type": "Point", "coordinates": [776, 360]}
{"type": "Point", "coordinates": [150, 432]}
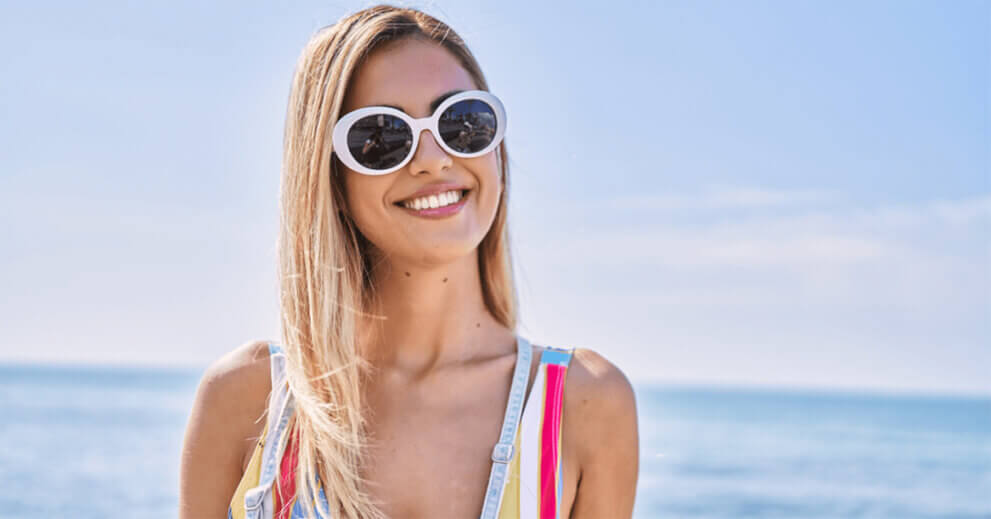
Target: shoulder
{"type": "Point", "coordinates": [601, 411]}
{"type": "Point", "coordinates": [245, 365]}
{"type": "Point", "coordinates": [236, 386]}
{"type": "Point", "coordinates": [233, 391]}
{"type": "Point", "coordinates": [226, 419]}
{"type": "Point", "coordinates": [597, 388]}
{"type": "Point", "coordinates": [600, 414]}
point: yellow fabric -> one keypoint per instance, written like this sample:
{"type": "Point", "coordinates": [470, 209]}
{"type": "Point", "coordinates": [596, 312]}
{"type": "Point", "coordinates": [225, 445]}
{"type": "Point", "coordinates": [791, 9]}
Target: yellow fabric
{"type": "Point", "coordinates": [510, 508]}
{"type": "Point", "coordinates": [249, 480]}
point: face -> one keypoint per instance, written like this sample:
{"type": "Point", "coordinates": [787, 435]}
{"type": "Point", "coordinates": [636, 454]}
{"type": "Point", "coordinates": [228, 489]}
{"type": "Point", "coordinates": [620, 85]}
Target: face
{"type": "Point", "coordinates": [410, 75]}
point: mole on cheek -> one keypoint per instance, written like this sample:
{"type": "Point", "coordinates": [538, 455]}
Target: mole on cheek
{"type": "Point", "coordinates": [445, 280]}
{"type": "Point", "coordinates": [407, 274]}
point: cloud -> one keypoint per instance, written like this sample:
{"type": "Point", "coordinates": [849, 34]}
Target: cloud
{"type": "Point", "coordinates": [890, 295]}
{"type": "Point", "coordinates": [721, 196]}
{"type": "Point", "coordinates": [800, 238]}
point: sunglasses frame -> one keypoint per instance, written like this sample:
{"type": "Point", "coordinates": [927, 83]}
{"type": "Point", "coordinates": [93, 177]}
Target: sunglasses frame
{"type": "Point", "coordinates": [343, 126]}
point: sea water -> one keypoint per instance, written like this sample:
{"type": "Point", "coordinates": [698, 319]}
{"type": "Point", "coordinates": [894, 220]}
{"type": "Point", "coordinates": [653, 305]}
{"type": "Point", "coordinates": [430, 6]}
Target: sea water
{"type": "Point", "coordinates": [94, 442]}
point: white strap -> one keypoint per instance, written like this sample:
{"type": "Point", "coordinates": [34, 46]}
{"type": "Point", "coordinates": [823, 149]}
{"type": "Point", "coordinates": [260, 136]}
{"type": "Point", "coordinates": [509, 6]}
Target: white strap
{"type": "Point", "coordinates": [502, 453]}
{"type": "Point", "coordinates": [258, 502]}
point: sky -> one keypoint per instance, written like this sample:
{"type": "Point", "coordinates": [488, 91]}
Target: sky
{"type": "Point", "coordinates": [781, 193]}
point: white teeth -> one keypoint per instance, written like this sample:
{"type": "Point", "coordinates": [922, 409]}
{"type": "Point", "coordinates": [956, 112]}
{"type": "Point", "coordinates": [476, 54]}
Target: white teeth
{"type": "Point", "coordinates": [434, 201]}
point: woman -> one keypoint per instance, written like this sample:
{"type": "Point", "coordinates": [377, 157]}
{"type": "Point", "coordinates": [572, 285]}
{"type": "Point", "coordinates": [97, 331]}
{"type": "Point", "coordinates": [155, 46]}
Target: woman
{"type": "Point", "coordinates": [400, 387]}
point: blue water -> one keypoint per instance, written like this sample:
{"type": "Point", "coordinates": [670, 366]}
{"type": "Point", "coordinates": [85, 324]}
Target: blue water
{"type": "Point", "coordinates": [710, 453]}
{"type": "Point", "coordinates": [104, 443]}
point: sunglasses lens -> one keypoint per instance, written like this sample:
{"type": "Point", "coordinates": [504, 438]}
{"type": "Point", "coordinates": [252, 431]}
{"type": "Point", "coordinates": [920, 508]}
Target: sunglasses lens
{"type": "Point", "coordinates": [379, 141]}
{"type": "Point", "coordinates": [468, 126]}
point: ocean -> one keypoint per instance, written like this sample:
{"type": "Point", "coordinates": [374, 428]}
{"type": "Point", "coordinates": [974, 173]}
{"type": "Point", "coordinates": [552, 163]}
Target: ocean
{"type": "Point", "coordinates": [100, 442]}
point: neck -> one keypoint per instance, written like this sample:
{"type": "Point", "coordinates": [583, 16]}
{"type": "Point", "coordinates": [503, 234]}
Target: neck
{"type": "Point", "coordinates": [433, 316]}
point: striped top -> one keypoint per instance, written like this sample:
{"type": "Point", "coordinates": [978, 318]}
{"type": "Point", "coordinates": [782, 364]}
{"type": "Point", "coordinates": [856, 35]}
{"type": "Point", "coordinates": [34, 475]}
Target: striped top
{"type": "Point", "coordinates": [526, 478]}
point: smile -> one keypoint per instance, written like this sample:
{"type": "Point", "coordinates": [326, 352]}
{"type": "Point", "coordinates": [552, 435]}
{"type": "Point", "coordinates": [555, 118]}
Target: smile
{"type": "Point", "coordinates": [436, 206]}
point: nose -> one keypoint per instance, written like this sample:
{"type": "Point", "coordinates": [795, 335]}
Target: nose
{"type": "Point", "coordinates": [429, 156]}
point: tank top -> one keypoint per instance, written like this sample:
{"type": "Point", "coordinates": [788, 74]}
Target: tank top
{"type": "Point", "coordinates": [526, 477]}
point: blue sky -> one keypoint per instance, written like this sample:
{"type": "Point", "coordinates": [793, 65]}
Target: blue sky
{"type": "Point", "coordinates": [774, 193]}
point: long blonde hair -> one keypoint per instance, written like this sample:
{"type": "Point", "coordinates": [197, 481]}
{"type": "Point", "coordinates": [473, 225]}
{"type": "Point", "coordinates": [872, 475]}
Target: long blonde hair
{"type": "Point", "coordinates": [324, 260]}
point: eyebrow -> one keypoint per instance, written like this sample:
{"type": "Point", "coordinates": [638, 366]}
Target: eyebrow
{"type": "Point", "coordinates": [433, 104]}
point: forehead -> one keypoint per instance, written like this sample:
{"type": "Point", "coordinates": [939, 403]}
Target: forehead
{"type": "Point", "coordinates": [408, 74]}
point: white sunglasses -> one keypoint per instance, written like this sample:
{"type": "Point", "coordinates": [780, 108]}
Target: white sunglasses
{"type": "Point", "coordinates": [377, 140]}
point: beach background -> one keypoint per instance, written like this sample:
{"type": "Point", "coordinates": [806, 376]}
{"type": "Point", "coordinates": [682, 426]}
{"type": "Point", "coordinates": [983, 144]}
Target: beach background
{"type": "Point", "coordinates": [103, 443]}
{"type": "Point", "coordinates": [774, 217]}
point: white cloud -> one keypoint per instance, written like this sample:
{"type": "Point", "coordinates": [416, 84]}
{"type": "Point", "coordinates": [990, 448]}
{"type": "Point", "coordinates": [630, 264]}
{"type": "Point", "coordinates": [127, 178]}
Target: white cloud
{"type": "Point", "coordinates": [892, 296]}
{"type": "Point", "coordinates": [721, 196]}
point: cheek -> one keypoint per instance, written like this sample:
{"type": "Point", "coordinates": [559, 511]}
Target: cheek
{"type": "Point", "coordinates": [489, 178]}
{"type": "Point", "coordinates": [364, 199]}
{"type": "Point", "coordinates": [487, 170]}
{"type": "Point", "coordinates": [493, 175]}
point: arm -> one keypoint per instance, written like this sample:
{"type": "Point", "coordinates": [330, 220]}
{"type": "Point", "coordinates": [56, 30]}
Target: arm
{"type": "Point", "coordinates": [604, 407]}
{"type": "Point", "coordinates": [221, 425]}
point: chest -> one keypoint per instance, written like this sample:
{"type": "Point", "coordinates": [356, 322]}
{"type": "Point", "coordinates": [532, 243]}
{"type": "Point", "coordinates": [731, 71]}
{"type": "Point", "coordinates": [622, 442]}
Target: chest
{"type": "Point", "coordinates": [430, 447]}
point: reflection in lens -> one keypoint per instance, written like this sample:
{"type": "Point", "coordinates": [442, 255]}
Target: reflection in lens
{"type": "Point", "coordinates": [380, 141]}
{"type": "Point", "coordinates": [468, 126]}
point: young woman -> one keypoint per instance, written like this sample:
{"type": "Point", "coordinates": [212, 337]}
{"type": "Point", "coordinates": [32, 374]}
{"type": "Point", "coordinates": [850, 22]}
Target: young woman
{"type": "Point", "coordinates": [400, 387]}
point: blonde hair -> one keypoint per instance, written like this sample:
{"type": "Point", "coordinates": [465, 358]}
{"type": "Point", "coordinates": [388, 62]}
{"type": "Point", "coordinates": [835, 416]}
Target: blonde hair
{"type": "Point", "coordinates": [324, 260]}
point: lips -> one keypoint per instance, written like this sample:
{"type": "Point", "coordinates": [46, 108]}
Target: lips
{"type": "Point", "coordinates": [402, 203]}
{"type": "Point", "coordinates": [436, 213]}
{"type": "Point", "coordinates": [434, 189]}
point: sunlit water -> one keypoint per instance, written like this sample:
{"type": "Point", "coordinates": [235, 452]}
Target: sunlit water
{"type": "Point", "coordinates": [104, 443]}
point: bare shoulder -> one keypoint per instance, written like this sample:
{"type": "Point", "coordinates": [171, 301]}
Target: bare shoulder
{"type": "Point", "coordinates": [601, 412]}
{"type": "Point", "coordinates": [236, 386]}
{"type": "Point", "coordinates": [597, 388]}
{"type": "Point", "coordinates": [242, 368]}
{"type": "Point", "coordinates": [226, 419]}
